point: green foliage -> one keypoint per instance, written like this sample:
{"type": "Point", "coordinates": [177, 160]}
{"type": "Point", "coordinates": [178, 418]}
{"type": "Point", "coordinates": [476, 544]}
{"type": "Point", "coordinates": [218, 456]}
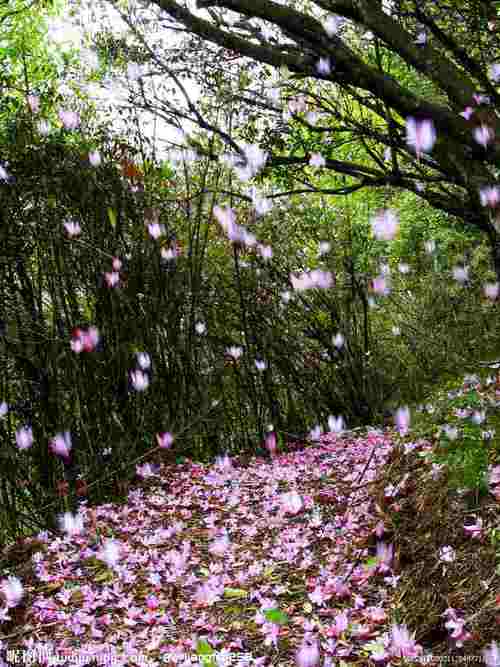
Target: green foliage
{"type": "Point", "coordinates": [205, 652]}
{"type": "Point", "coordinates": [464, 446]}
{"type": "Point", "coordinates": [27, 62]}
{"type": "Point", "coordinates": [467, 459]}
{"type": "Point", "coordinates": [276, 616]}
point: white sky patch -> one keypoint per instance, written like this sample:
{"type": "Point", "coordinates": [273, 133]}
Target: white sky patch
{"type": "Point", "coordinates": [64, 35]}
{"type": "Point", "coordinates": [88, 19]}
{"type": "Point", "coordinates": [78, 31]}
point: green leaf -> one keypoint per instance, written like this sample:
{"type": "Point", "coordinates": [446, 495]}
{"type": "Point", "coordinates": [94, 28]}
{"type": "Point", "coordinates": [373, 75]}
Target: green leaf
{"type": "Point", "coordinates": [204, 648]}
{"type": "Point", "coordinates": [235, 593]}
{"type": "Point", "coordinates": [112, 217]}
{"type": "Point", "coordinates": [276, 616]}
{"type": "Point", "coordinates": [205, 651]}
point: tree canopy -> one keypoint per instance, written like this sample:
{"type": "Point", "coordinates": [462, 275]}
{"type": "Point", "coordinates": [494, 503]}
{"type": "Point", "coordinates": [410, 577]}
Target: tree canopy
{"type": "Point", "coordinates": [412, 82]}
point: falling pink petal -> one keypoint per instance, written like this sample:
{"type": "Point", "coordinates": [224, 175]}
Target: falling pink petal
{"type": "Point", "coordinates": [461, 274]}
{"type": "Point", "coordinates": [483, 135]}
{"type": "Point", "coordinates": [143, 361]}
{"type": "Point", "coordinates": [34, 103]}
{"type": "Point", "coordinates": [265, 251]}
{"type": "Point", "coordinates": [495, 72]}
{"type": "Point", "coordinates": [421, 39]}
{"type": "Point", "coordinates": [112, 279]}
{"type": "Point", "coordinates": [491, 655]}
{"type": "Point", "coordinates": [168, 254]}
{"type": "Point", "coordinates": [24, 438]}
{"type": "Point", "coordinates": [315, 433]}
{"type": "Point", "coordinates": [314, 279]}
{"type": "Point", "coordinates": [380, 286]}
{"type": "Point", "coordinates": [332, 24]}
{"type": "Point", "coordinates": [156, 230]}
{"type": "Point", "coordinates": [95, 158]}
{"type": "Point", "coordinates": [308, 654]}
{"type": "Point", "coordinates": [69, 119]}
{"type": "Point", "coordinates": [271, 442]}
{"type": "Point", "coordinates": [324, 66]}
{"type": "Point", "coordinates": [297, 105]}
{"type": "Point", "coordinates": [71, 524]}
{"type": "Point", "coordinates": [235, 351]}
{"type": "Point", "coordinates": [385, 225]}
{"type": "Point", "coordinates": [291, 502]}
{"type": "Point", "coordinates": [165, 440]}
{"type": "Point", "coordinates": [44, 127]}
{"type": "Point", "coordinates": [491, 290]}
{"type": "Point", "coordinates": [110, 553]}
{"type": "Point", "coordinates": [61, 445]}
{"type": "Point", "coordinates": [139, 380]}
{"type": "Point", "coordinates": [72, 228]}
{"type": "Point", "coordinates": [317, 160]}
{"type": "Point", "coordinates": [385, 554]}
{"type": "Point", "coordinates": [13, 591]}
{"type": "Point", "coordinates": [420, 135]}
{"type": "Point", "coordinates": [402, 420]}
{"type": "Point", "coordinates": [336, 424]}
{"type": "Point", "coordinates": [467, 113]}
{"type": "Point", "coordinates": [324, 247]}
{"type": "Point", "coordinates": [490, 196]}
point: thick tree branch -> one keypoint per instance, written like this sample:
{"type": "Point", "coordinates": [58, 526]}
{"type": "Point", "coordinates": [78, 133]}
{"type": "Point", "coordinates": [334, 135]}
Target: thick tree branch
{"type": "Point", "coordinates": [456, 159]}
{"type": "Point", "coordinates": [460, 53]}
{"type": "Point", "coordinates": [348, 70]}
{"type": "Point", "coordinates": [367, 12]}
{"type": "Point", "coordinates": [425, 59]}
